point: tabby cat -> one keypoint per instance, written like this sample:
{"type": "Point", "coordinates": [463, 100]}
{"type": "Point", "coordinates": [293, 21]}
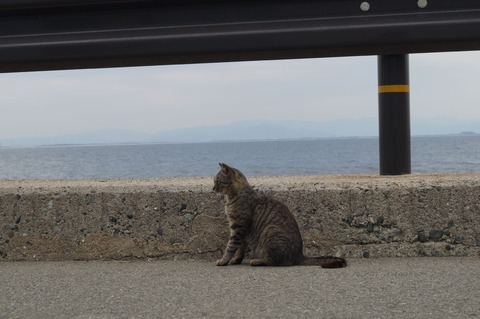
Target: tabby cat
{"type": "Point", "coordinates": [263, 225]}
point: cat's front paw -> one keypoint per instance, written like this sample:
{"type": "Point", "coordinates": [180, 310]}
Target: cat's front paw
{"type": "Point", "coordinates": [222, 262]}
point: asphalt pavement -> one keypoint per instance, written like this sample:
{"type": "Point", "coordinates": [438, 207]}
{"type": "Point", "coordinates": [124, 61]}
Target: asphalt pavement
{"type": "Point", "coordinates": [367, 288]}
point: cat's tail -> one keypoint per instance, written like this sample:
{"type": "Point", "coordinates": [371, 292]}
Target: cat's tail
{"type": "Point", "coordinates": [325, 261]}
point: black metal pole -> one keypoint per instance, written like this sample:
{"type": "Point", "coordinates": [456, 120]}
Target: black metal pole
{"type": "Point", "coordinates": [394, 114]}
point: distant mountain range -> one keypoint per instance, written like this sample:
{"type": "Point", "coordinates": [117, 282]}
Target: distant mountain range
{"type": "Point", "coordinates": [252, 130]}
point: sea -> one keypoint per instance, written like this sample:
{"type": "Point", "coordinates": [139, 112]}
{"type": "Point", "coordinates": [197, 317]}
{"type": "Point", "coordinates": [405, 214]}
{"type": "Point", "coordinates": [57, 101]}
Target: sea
{"type": "Point", "coordinates": [430, 154]}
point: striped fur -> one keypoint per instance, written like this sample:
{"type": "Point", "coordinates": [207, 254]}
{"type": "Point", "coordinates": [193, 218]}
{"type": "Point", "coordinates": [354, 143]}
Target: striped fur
{"type": "Point", "coordinates": [263, 225]}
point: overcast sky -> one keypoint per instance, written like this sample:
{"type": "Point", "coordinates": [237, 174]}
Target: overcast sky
{"type": "Point", "coordinates": [154, 99]}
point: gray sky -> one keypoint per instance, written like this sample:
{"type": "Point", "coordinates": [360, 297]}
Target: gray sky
{"type": "Point", "coordinates": [153, 99]}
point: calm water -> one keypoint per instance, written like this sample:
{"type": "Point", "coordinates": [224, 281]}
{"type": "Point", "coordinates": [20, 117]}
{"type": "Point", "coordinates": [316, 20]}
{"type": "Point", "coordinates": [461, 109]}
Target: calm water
{"type": "Point", "coordinates": [309, 157]}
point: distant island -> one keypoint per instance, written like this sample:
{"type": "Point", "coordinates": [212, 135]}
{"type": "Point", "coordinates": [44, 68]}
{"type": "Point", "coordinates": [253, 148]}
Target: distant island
{"type": "Point", "coordinates": [254, 130]}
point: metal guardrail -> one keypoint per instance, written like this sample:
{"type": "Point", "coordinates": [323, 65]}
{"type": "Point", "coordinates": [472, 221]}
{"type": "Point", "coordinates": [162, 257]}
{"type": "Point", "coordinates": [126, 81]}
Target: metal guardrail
{"type": "Point", "coordinates": [68, 34]}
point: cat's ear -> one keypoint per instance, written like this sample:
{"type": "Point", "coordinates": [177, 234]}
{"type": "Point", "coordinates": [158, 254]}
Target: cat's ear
{"type": "Point", "coordinates": [225, 168]}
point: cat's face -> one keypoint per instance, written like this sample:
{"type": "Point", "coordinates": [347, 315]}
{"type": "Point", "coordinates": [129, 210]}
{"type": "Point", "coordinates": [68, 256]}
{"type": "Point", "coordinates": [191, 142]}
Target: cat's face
{"type": "Point", "coordinates": [227, 178]}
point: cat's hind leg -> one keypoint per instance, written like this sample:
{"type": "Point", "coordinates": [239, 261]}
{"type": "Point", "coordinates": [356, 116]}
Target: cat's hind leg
{"type": "Point", "coordinates": [272, 256]}
{"type": "Point", "coordinates": [275, 248]}
{"type": "Point", "coordinates": [262, 262]}
{"type": "Point", "coordinates": [264, 258]}
{"type": "Point", "coordinates": [271, 260]}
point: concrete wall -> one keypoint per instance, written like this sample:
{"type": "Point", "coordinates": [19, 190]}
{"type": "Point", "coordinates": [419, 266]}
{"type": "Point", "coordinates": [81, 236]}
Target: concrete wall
{"type": "Point", "coordinates": [352, 216]}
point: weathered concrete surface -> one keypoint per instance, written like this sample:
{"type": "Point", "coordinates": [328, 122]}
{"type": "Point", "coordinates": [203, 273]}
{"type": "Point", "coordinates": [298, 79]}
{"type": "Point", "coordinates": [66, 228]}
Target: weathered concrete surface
{"type": "Point", "coordinates": [351, 216]}
{"type": "Point", "coordinates": [368, 288]}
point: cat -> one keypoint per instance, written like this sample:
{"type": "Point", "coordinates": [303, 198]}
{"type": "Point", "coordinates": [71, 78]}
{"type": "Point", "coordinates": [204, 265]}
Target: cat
{"type": "Point", "coordinates": [263, 225]}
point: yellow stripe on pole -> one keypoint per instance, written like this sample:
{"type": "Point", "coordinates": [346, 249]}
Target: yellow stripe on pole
{"type": "Point", "coordinates": [398, 88]}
